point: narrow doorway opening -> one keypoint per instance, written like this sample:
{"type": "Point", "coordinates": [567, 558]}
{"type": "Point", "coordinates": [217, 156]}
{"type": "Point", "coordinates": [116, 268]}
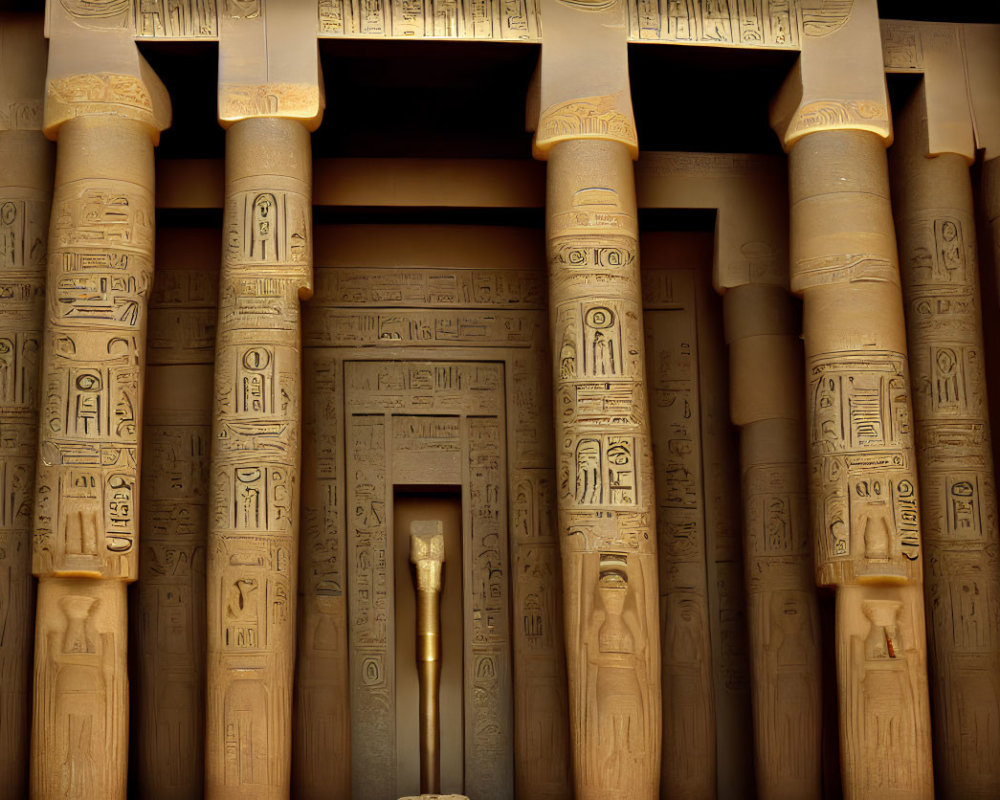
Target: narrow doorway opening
{"type": "Point", "coordinates": [444, 504]}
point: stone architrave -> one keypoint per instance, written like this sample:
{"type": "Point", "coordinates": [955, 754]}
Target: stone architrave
{"type": "Point", "coordinates": [26, 160]}
{"type": "Point", "coordinates": [269, 99]}
{"type": "Point", "coordinates": [584, 128]}
{"type": "Point", "coordinates": [106, 108]}
{"type": "Point", "coordinates": [835, 124]}
{"type": "Point", "coordinates": [935, 223]}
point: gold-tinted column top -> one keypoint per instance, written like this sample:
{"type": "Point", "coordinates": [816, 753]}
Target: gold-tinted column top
{"type": "Point", "coordinates": [427, 553]}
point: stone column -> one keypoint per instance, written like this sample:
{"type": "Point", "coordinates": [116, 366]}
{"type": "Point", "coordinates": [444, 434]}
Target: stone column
{"type": "Point", "coordinates": [26, 160]}
{"type": "Point", "coordinates": [833, 120]}
{"type": "Point", "coordinates": [269, 101]}
{"type": "Point", "coordinates": [863, 471]}
{"type": "Point", "coordinates": [253, 526]}
{"type": "Point", "coordinates": [100, 269]}
{"type": "Point", "coordinates": [585, 129]}
{"type": "Point", "coordinates": [604, 460]}
{"type": "Point", "coordinates": [765, 360]}
{"type": "Point", "coordinates": [935, 221]}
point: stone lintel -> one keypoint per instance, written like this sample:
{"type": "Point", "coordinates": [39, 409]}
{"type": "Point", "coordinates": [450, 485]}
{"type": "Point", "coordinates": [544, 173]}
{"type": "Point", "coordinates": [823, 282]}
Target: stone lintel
{"type": "Point", "coordinates": [838, 81]}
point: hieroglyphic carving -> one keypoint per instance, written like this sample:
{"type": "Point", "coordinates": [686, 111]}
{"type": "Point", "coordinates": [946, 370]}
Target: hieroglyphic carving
{"type": "Point", "coordinates": [825, 16]}
{"type": "Point", "coordinates": [902, 46]}
{"type": "Point", "coordinates": [782, 611]}
{"type": "Point", "coordinates": [370, 609]}
{"type": "Point", "coordinates": [935, 225]}
{"type": "Point", "coordinates": [182, 317]}
{"type": "Point", "coordinates": [488, 677]}
{"type": "Point", "coordinates": [431, 389]}
{"type": "Point", "coordinates": [95, 93]}
{"type": "Point", "coordinates": [322, 685]}
{"type": "Point", "coordinates": [541, 713]}
{"type": "Point", "coordinates": [104, 12]}
{"type": "Point", "coordinates": [481, 19]}
{"type": "Point", "coordinates": [427, 328]}
{"type": "Point", "coordinates": [604, 473]}
{"type": "Point", "coordinates": [862, 463]}
{"type": "Point", "coordinates": [413, 390]}
{"type": "Point", "coordinates": [827, 114]}
{"type": "Point", "coordinates": [784, 624]}
{"type": "Point", "coordinates": [585, 118]}
{"type": "Point", "coordinates": [25, 187]}
{"type": "Point", "coordinates": [863, 471]}
{"type": "Point", "coordinates": [170, 600]}
{"type": "Point", "coordinates": [430, 288]}
{"type": "Point", "coordinates": [176, 19]}
{"type": "Point", "coordinates": [254, 496]}
{"type": "Point", "coordinates": [241, 101]}
{"type": "Point", "coordinates": [742, 23]}
{"type": "Point", "coordinates": [100, 264]}
{"type": "Point", "coordinates": [675, 418]}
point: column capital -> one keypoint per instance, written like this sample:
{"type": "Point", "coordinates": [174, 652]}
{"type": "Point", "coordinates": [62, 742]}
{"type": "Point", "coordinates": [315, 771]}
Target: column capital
{"type": "Point", "coordinates": [982, 63]}
{"type": "Point", "coordinates": [838, 81]}
{"type": "Point", "coordinates": [581, 87]}
{"type": "Point", "coordinates": [269, 63]}
{"type": "Point", "coordinates": [936, 50]}
{"type": "Point", "coordinates": [95, 69]}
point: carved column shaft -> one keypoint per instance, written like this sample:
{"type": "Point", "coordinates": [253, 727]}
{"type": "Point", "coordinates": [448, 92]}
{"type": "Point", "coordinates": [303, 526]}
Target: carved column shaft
{"type": "Point", "coordinates": [100, 271]}
{"type": "Point", "coordinates": [862, 458]}
{"type": "Point", "coordinates": [25, 195]}
{"type": "Point", "coordinates": [605, 470]}
{"type": "Point", "coordinates": [783, 618]}
{"type": "Point", "coordinates": [252, 558]}
{"type": "Point", "coordinates": [935, 221]}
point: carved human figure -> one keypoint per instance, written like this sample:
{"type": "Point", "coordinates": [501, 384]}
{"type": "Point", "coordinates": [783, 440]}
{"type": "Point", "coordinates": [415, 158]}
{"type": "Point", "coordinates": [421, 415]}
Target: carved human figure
{"type": "Point", "coordinates": [618, 681]}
